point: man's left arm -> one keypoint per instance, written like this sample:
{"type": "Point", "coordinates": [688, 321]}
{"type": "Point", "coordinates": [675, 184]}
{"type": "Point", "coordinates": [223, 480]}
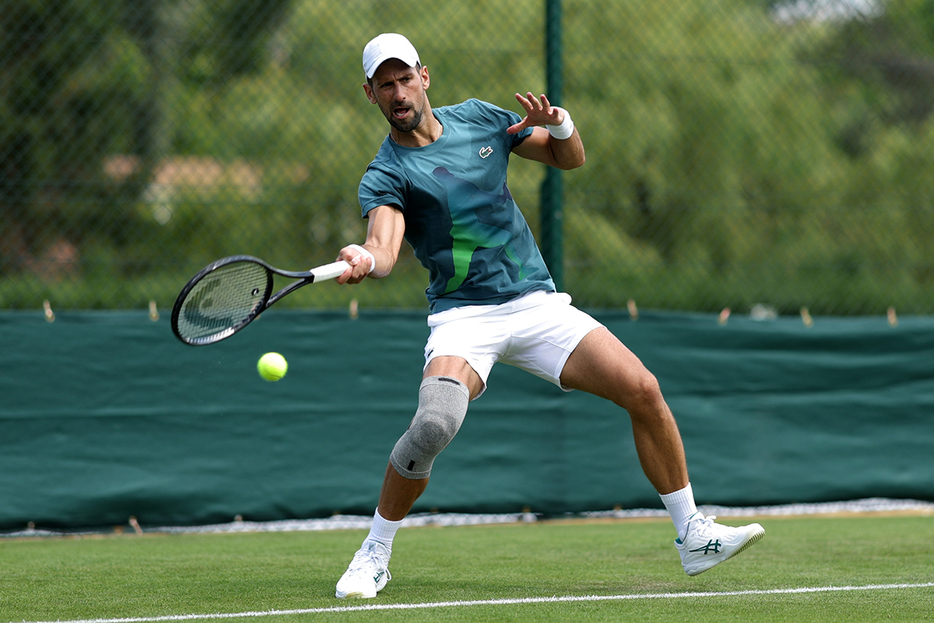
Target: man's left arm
{"type": "Point", "coordinates": [559, 146]}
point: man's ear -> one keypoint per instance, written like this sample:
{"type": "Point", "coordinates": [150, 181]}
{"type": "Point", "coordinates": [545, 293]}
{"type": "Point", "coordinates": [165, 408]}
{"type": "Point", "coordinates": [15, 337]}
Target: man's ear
{"type": "Point", "coordinates": [369, 92]}
{"type": "Point", "coordinates": [426, 79]}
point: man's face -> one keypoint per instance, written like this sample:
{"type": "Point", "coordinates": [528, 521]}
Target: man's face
{"type": "Point", "coordinates": [399, 91]}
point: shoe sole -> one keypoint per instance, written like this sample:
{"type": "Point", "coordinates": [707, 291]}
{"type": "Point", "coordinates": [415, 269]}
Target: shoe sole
{"type": "Point", "coordinates": [752, 540]}
{"type": "Point", "coordinates": [359, 594]}
{"type": "Point", "coordinates": [356, 595]}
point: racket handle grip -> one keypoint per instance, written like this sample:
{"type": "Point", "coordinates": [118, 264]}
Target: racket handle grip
{"type": "Point", "coordinates": [330, 271]}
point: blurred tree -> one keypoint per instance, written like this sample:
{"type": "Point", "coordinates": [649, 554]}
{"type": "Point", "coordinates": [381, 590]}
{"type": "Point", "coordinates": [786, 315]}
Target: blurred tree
{"type": "Point", "coordinates": [891, 53]}
{"type": "Point", "coordinates": [224, 39]}
{"type": "Point", "coordinates": [67, 82]}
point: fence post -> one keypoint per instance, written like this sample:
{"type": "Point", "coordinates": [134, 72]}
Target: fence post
{"type": "Point", "coordinates": [552, 186]}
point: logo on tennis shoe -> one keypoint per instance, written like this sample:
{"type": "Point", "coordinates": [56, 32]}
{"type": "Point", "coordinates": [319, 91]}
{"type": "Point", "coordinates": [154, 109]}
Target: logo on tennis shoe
{"type": "Point", "coordinates": [485, 151]}
{"type": "Point", "coordinates": [711, 547]}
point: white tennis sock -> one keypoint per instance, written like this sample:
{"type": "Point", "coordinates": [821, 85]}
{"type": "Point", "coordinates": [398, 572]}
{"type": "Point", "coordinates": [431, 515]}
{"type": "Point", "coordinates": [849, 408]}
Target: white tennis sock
{"type": "Point", "coordinates": [681, 507]}
{"type": "Point", "coordinates": [383, 531]}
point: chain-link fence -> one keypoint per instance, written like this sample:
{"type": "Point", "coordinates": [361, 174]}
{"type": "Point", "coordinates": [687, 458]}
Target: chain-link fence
{"type": "Point", "coordinates": [739, 151]}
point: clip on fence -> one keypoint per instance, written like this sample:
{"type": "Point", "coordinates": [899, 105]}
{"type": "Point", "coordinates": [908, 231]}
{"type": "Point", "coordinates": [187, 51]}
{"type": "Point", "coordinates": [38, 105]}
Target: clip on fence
{"type": "Point", "coordinates": [633, 310]}
{"type": "Point", "coordinates": [806, 317]}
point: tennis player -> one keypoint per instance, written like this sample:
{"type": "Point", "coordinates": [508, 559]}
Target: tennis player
{"type": "Point", "coordinates": [439, 182]}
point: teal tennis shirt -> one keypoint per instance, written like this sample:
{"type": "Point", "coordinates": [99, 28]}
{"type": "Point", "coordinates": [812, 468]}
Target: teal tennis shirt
{"type": "Point", "coordinates": [460, 217]}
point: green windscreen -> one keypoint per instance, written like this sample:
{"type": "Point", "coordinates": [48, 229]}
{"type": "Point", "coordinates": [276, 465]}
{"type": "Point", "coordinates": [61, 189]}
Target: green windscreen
{"type": "Point", "coordinates": [104, 416]}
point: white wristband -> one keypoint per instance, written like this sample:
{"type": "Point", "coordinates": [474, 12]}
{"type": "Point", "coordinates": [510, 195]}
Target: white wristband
{"type": "Point", "coordinates": [563, 131]}
{"type": "Point", "coordinates": [365, 253]}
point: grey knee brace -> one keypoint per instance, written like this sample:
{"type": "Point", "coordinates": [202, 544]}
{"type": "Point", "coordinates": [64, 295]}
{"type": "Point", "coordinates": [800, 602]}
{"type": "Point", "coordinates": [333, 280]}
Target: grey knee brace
{"type": "Point", "coordinates": [442, 405]}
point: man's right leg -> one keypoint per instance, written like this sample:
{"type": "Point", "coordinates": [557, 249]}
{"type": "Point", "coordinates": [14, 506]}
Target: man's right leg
{"type": "Point", "coordinates": [443, 401]}
{"type": "Point", "coordinates": [368, 572]}
{"type": "Point", "coordinates": [399, 492]}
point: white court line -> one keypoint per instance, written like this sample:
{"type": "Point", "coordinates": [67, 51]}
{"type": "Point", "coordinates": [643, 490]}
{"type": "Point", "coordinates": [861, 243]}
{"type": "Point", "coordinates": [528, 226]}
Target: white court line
{"type": "Point", "coordinates": [492, 602]}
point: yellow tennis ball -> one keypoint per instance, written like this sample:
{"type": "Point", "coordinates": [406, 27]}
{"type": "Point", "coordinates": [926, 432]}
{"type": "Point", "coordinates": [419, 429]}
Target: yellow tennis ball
{"type": "Point", "coordinates": [272, 366]}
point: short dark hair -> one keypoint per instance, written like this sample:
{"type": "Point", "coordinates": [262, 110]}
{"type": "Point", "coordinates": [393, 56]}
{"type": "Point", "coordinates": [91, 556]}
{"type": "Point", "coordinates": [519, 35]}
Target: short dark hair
{"type": "Point", "coordinates": [369, 81]}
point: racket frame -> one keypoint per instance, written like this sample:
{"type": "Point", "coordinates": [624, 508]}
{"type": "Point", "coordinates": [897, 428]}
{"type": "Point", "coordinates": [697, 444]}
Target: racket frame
{"type": "Point", "coordinates": [302, 278]}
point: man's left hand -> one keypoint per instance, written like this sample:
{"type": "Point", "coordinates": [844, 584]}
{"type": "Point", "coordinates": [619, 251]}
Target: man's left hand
{"type": "Point", "coordinates": [538, 110]}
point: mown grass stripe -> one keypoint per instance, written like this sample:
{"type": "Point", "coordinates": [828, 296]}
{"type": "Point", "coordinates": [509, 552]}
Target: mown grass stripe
{"type": "Point", "coordinates": [495, 602]}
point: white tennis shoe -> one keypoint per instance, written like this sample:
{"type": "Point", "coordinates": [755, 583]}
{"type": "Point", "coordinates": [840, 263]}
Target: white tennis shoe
{"type": "Point", "coordinates": [707, 544]}
{"type": "Point", "coordinates": [367, 574]}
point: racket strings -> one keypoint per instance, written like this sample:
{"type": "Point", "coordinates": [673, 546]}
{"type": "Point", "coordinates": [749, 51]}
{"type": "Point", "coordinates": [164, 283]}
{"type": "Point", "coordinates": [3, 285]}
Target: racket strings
{"type": "Point", "coordinates": [223, 299]}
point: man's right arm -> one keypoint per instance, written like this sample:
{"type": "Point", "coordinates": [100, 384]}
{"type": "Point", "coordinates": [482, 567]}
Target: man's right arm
{"type": "Point", "coordinates": [384, 235]}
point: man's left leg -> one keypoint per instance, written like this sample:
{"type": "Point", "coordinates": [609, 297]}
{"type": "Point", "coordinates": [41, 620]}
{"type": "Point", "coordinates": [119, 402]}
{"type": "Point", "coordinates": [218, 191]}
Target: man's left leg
{"type": "Point", "coordinates": [603, 366]}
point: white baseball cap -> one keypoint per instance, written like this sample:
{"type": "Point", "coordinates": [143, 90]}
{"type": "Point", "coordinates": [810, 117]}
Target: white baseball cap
{"type": "Point", "coordinates": [385, 47]}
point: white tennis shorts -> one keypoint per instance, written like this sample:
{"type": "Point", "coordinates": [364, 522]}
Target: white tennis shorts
{"type": "Point", "coordinates": [536, 332]}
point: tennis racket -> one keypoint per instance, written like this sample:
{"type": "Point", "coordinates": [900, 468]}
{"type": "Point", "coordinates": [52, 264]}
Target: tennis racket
{"type": "Point", "coordinates": [227, 295]}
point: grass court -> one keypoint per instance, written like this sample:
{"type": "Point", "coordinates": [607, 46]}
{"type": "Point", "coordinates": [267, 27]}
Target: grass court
{"type": "Point", "coordinates": [816, 568]}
